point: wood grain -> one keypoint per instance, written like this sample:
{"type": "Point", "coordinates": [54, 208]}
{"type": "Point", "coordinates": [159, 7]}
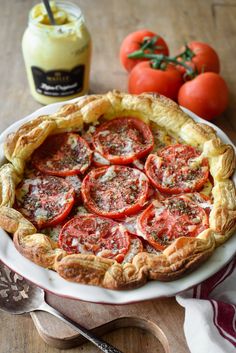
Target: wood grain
{"type": "Point", "coordinates": [109, 21]}
{"type": "Point", "coordinates": [153, 316]}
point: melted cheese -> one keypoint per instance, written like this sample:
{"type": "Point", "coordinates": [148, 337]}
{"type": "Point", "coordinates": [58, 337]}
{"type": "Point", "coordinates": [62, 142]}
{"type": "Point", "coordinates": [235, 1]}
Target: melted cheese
{"type": "Point", "coordinates": [41, 214]}
{"type": "Point", "coordinates": [162, 138]}
{"type": "Point", "coordinates": [138, 164]}
{"type": "Point", "coordinates": [159, 211]}
{"type": "Point", "coordinates": [157, 162]}
{"type": "Point", "coordinates": [74, 181]}
{"type": "Point", "coordinates": [128, 148]}
{"type": "Point", "coordinates": [80, 210]}
{"type": "Point", "coordinates": [21, 192]}
{"type": "Point", "coordinates": [141, 180]}
{"type": "Point", "coordinates": [53, 232]}
{"type": "Point", "coordinates": [133, 250]}
{"type": "Point", "coordinates": [104, 133]}
{"type": "Point", "coordinates": [196, 162]}
{"type": "Point", "coordinates": [168, 179]}
{"type": "Point", "coordinates": [73, 142]}
{"type": "Point", "coordinates": [100, 159]}
{"type": "Point", "coordinates": [130, 224]}
{"type": "Point", "coordinates": [109, 175]}
{"type": "Point", "coordinates": [207, 188]}
{"type": "Point", "coordinates": [91, 129]}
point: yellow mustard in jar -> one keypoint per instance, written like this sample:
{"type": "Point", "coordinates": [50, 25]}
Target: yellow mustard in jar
{"type": "Point", "coordinates": [57, 58]}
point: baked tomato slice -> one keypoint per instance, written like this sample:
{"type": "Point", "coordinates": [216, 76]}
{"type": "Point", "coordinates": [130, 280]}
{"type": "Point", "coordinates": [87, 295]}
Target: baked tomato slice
{"type": "Point", "coordinates": [123, 140]}
{"type": "Point", "coordinates": [176, 169]}
{"type": "Point", "coordinates": [45, 201]}
{"type": "Point", "coordinates": [91, 234]}
{"type": "Point", "coordinates": [115, 191]}
{"type": "Point", "coordinates": [63, 154]}
{"type": "Point", "coordinates": [175, 217]}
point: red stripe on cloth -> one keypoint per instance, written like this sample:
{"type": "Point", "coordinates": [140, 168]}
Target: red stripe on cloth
{"type": "Point", "coordinates": [224, 317]}
{"type": "Point", "coordinates": [203, 290]}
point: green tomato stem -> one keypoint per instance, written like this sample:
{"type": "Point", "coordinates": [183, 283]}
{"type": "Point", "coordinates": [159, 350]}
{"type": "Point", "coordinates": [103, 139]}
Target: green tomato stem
{"type": "Point", "coordinates": [158, 59]}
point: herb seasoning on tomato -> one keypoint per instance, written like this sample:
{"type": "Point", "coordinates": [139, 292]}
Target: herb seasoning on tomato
{"type": "Point", "coordinates": [91, 234]}
{"type": "Point", "coordinates": [45, 201]}
{"type": "Point", "coordinates": [176, 169]}
{"type": "Point", "coordinates": [63, 154]}
{"type": "Point", "coordinates": [115, 191]}
{"type": "Point", "coordinates": [123, 140]}
{"type": "Point", "coordinates": [178, 216]}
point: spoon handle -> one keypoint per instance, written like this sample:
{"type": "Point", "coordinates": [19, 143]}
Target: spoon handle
{"type": "Point", "coordinates": [49, 11]}
{"type": "Point", "coordinates": [102, 345]}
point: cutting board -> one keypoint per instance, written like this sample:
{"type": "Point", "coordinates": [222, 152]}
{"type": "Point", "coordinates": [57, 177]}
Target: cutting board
{"type": "Point", "coordinates": [161, 317]}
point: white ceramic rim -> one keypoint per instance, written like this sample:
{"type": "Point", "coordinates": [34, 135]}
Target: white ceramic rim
{"type": "Point", "coordinates": [52, 282]}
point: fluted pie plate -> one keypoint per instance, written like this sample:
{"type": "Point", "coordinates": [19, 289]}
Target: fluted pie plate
{"type": "Point", "coordinates": [52, 282]}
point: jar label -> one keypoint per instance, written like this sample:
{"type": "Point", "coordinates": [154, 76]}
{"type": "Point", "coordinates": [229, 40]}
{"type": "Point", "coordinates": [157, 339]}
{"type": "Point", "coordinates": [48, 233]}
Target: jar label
{"type": "Point", "coordinates": [58, 83]}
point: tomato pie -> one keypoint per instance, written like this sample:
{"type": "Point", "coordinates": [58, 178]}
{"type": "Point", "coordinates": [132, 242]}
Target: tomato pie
{"type": "Point", "coordinates": [115, 190]}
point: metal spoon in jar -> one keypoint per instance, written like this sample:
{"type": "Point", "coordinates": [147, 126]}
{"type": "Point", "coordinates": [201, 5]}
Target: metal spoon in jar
{"type": "Point", "coordinates": [18, 296]}
{"type": "Point", "coordinates": [49, 11]}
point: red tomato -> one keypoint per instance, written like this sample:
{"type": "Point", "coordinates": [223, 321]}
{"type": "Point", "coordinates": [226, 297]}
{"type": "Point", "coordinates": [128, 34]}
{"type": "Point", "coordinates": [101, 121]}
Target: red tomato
{"type": "Point", "coordinates": [63, 154]}
{"type": "Point", "coordinates": [172, 218]}
{"type": "Point", "coordinates": [206, 95]}
{"type": "Point", "coordinates": [205, 58]}
{"type": "Point", "coordinates": [91, 234]}
{"type": "Point", "coordinates": [173, 170]}
{"type": "Point", "coordinates": [115, 191]}
{"type": "Point", "coordinates": [143, 78]}
{"type": "Point", "coordinates": [123, 140]}
{"type": "Point", "coordinates": [134, 42]}
{"type": "Point", "coordinates": [45, 201]}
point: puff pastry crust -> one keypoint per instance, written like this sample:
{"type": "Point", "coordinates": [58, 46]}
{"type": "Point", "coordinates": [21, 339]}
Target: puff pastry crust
{"type": "Point", "coordinates": [183, 255]}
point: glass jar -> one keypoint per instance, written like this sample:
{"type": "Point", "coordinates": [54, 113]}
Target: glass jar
{"type": "Point", "coordinates": [57, 58]}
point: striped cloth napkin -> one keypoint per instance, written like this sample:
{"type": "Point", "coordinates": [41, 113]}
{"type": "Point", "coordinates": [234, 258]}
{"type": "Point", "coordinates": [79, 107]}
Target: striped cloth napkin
{"type": "Point", "coordinates": [210, 313]}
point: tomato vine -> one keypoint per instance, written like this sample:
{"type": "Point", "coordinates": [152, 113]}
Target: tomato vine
{"type": "Point", "coordinates": [160, 61]}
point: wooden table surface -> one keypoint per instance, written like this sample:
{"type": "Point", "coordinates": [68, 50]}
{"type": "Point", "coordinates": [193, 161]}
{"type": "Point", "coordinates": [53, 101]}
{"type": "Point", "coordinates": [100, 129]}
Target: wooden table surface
{"type": "Point", "coordinates": [109, 21]}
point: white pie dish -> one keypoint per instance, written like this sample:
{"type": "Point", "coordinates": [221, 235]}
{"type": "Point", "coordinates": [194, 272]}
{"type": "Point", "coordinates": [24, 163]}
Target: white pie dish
{"type": "Point", "coordinates": [52, 282]}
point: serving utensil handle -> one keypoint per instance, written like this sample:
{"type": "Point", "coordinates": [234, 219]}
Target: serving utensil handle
{"type": "Point", "coordinates": [49, 11]}
{"type": "Point", "coordinates": [98, 342]}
